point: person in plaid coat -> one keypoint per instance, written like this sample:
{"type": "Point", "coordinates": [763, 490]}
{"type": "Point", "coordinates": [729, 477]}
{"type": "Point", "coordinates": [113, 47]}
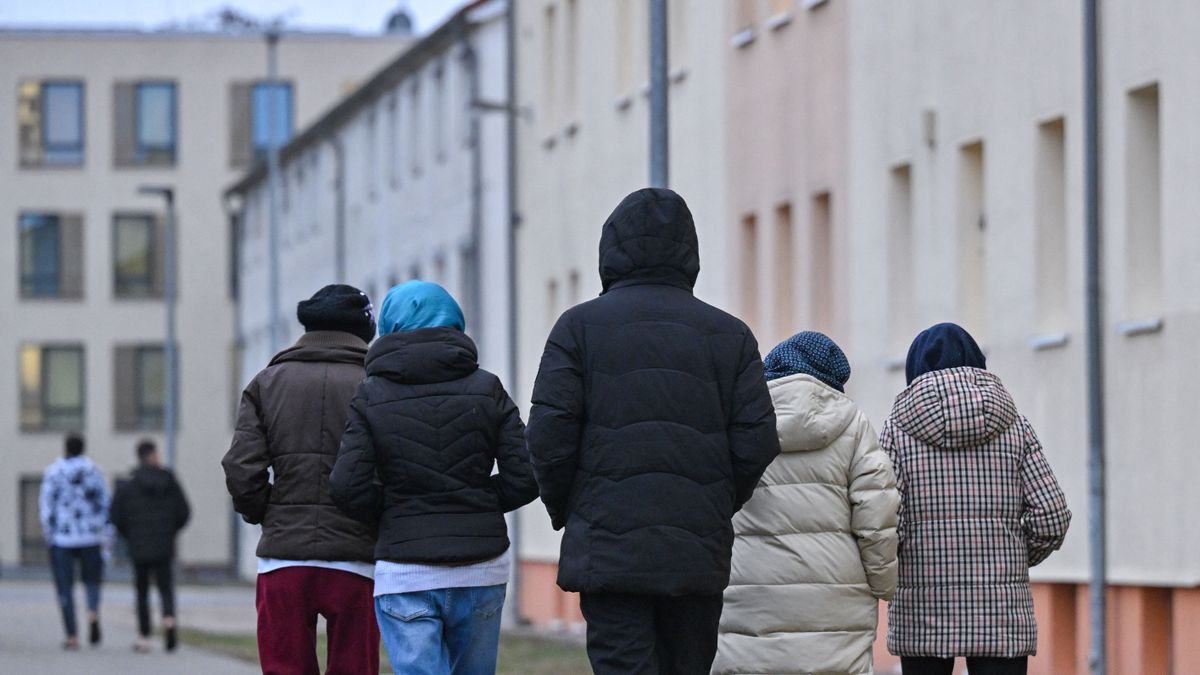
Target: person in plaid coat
{"type": "Point", "coordinates": [979, 506]}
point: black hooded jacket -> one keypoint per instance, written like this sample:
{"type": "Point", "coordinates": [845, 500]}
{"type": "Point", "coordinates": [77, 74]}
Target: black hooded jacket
{"type": "Point", "coordinates": [651, 420]}
{"type": "Point", "coordinates": [426, 427]}
{"type": "Point", "coordinates": [148, 511]}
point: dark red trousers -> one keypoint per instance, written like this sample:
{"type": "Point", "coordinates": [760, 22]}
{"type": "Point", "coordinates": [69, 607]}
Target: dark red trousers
{"type": "Point", "coordinates": [289, 601]}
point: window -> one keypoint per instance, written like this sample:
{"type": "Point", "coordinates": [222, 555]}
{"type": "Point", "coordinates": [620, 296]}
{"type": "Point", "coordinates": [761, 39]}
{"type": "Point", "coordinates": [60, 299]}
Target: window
{"type": "Point", "coordinates": [821, 263]}
{"type": "Point", "coordinates": [439, 114]}
{"type": "Point", "coordinates": [52, 390]}
{"type": "Point", "coordinates": [371, 156]}
{"type": "Point", "coordinates": [785, 277]}
{"type": "Point", "coordinates": [144, 115]}
{"type": "Point", "coordinates": [900, 259]}
{"type": "Point", "coordinates": [625, 56]}
{"type": "Point", "coordinates": [414, 129]}
{"type": "Point", "coordinates": [51, 120]}
{"type": "Point", "coordinates": [748, 269]}
{"type": "Point", "coordinates": [393, 141]}
{"type": "Point", "coordinates": [51, 255]}
{"type": "Point", "coordinates": [272, 116]}
{"type": "Point", "coordinates": [1143, 205]}
{"type": "Point", "coordinates": [747, 15]}
{"type": "Point", "coordinates": [551, 302]}
{"type": "Point", "coordinates": [139, 387]}
{"type": "Point", "coordinates": [550, 66]}
{"type": "Point", "coordinates": [259, 114]}
{"type": "Point", "coordinates": [469, 278]}
{"type": "Point", "coordinates": [137, 256]}
{"type": "Point", "coordinates": [1051, 222]}
{"type": "Point", "coordinates": [571, 61]}
{"type": "Point", "coordinates": [972, 224]}
{"type": "Point", "coordinates": [33, 542]}
{"type": "Point", "coordinates": [573, 288]}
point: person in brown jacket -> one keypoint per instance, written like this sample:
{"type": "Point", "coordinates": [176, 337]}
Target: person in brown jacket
{"type": "Point", "coordinates": [312, 558]}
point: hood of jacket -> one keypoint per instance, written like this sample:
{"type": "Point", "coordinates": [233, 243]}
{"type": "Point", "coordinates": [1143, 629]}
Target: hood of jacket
{"type": "Point", "coordinates": [324, 346]}
{"type": "Point", "coordinates": [955, 408]}
{"type": "Point", "coordinates": [809, 414]}
{"type": "Point", "coordinates": [650, 238]}
{"type": "Point", "coordinates": [152, 480]}
{"type": "Point", "coordinates": [423, 356]}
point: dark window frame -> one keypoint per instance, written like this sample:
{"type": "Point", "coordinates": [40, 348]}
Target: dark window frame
{"type": "Point", "coordinates": [260, 151]}
{"type": "Point", "coordinates": [29, 281]}
{"type": "Point", "coordinates": [152, 267]}
{"type": "Point", "coordinates": [52, 416]}
{"type": "Point", "coordinates": [143, 151]}
{"type": "Point", "coordinates": [148, 418]}
{"type": "Point", "coordinates": [49, 148]}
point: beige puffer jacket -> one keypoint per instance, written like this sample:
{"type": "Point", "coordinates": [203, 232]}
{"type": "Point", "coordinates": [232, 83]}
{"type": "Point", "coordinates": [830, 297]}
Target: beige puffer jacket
{"type": "Point", "coordinates": [816, 544]}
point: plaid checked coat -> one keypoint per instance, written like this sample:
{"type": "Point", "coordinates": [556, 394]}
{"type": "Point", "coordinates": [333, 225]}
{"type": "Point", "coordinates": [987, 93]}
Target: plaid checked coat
{"type": "Point", "coordinates": [979, 506]}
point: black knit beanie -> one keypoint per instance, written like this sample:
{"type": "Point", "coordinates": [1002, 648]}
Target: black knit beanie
{"type": "Point", "coordinates": [338, 307]}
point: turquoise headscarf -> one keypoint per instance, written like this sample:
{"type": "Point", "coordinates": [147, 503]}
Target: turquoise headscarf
{"type": "Point", "coordinates": [419, 304]}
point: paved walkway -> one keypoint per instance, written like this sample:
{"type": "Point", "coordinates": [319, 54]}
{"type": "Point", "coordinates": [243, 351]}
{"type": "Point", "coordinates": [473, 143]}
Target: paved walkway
{"type": "Point", "coordinates": [31, 631]}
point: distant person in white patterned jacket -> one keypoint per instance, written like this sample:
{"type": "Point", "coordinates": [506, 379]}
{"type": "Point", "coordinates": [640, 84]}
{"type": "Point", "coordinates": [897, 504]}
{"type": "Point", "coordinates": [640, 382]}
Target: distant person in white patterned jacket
{"type": "Point", "coordinates": [74, 513]}
{"type": "Point", "coordinates": [979, 506]}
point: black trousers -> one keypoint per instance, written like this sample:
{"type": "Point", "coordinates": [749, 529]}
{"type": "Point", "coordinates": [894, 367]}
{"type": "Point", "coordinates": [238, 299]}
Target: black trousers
{"type": "Point", "coordinates": [651, 634]}
{"type": "Point", "coordinates": [161, 571]}
{"type": "Point", "coordinates": [975, 666]}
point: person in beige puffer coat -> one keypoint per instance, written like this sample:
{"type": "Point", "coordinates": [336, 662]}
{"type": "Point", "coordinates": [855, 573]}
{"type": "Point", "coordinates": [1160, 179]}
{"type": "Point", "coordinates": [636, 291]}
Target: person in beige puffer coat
{"type": "Point", "coordinates": [816, 544]}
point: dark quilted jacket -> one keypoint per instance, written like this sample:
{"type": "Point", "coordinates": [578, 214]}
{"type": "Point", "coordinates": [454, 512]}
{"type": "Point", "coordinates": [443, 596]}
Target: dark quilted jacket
{"type": "Point", "coordinates": [290, 421]}
{"type": "Point", "coordinates": [426, 428]}
{"type": "Point", "coordinates": [651, 421]}
{"type": "Point", "coordinates": [149, 510]}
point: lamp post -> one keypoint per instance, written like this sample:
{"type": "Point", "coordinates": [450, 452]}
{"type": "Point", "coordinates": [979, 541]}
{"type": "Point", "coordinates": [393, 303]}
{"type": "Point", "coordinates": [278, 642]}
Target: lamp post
{"type": "Point", "coordinates": [659, 81]}
{"type": "Point", "coordinates": [170, 353]}
{"type": "Point", "coordinates": [273, 136]}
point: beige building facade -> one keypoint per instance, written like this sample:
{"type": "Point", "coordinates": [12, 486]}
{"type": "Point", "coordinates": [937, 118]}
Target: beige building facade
{"type": "Point", "coordinates": [946, 184]}
{"type": "Point", "coordinates": [90, 117]}
{"type": "Point", "coordinates": [582, 145]}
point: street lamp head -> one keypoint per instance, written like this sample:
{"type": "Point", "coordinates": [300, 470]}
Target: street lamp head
{"type": "Point", "coordinates": [165, 191]}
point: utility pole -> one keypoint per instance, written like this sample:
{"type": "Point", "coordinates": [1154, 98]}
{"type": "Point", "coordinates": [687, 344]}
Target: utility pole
{"type": "Point", "coordinates": [659, 82]}
{"type": "Point", "coordinates": [1097, 521]}
{"type": "Point", "coordinates": [273, 137]}
{"type": "Point", "coordinates": [170, 350]}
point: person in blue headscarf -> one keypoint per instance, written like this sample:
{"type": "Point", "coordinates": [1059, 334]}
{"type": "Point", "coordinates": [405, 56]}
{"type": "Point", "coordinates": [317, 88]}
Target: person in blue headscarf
{"type": "Point", "coordinates": [426, 428]}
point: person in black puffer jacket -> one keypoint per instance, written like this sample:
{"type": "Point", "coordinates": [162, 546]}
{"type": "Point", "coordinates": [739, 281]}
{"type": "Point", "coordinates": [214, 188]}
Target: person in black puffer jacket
{"type": "Point", "coordinates": [149, 510]}
{"type": "Point", "coordinates": [651, 425]}
{"type": "Point", "coordinates": [426, 428]}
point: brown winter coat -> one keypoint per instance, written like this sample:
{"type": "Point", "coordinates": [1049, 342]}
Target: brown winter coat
{"type": "Point", "coordinates": [290, 420]}
{"type": "Point", "coordinates": [979, 506]}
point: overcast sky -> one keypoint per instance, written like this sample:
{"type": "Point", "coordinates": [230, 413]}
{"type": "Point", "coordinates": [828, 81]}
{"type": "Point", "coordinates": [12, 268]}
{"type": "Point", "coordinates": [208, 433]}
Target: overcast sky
{"type": "Point", "coordinates": [366, 16]}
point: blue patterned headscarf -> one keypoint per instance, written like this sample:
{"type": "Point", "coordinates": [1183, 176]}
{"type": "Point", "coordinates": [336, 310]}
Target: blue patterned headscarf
{"type": "Point", "coordinates": [419, 304]}
{"type": "Point", "coordinates": [811, 353]}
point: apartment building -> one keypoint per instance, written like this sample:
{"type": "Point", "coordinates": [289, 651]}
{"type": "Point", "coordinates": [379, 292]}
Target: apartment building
{"type": "Point", "coordinates": [582, 145]}
{"type": "Point", "coordinates": [893, 165]}
{"type": "Point", "coordinates": [406, 178]}
{"type": "Point", "coordinates": [91, 116]}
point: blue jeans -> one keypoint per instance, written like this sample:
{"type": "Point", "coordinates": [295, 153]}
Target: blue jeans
{"type": "Point", "coordinates": [449, 630]}
{"type": "Point", "coordinates": [91, 568]}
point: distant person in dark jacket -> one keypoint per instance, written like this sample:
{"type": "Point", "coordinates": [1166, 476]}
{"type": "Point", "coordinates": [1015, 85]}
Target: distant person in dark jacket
{"type": "Point", "coordinates": [149, 511]}
{"type": "Point", "coordinates": [312, 558]}
{"type": "Point", "coordinates": [73, 506]}
{"type": "Point", "coordinates": [426, 429]}
{"type": "Point", "coordinates": [650, 428]}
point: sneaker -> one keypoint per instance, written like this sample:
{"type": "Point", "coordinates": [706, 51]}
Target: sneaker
{"type": "Point", "coordinates": [94, 632]}
{"type": "Point", "coordinates": [141, 646]}
{"type": "Point", "coordinates": [71, 644]}
{"type": "Point", "coordinates": [171, 637]}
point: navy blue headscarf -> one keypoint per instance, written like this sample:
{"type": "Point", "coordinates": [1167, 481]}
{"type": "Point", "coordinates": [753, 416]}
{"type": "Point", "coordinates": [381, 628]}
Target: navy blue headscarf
{"type": "Point", "coordinates": [811, 353]}
{"type": "Point", "coordinates": [943, 346]}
